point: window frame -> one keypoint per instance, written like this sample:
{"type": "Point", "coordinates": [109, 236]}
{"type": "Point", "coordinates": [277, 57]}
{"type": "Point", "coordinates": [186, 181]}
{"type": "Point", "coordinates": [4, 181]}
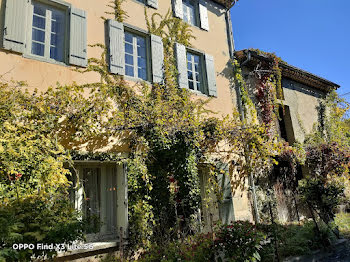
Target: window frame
{"type": "Point", "coordinates": [78, 197]}
{"type": "Point", "coordinates": [203, 73]}
{"type": "Point", "coordinates": [196, 12]}
{"type": "Point", "coordinates": [141, 33]}
{"type": "Point", "coordinates": [51, 4]}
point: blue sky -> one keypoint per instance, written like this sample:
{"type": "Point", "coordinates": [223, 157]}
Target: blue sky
{"type": "Point", "coordinates": [313, 35]}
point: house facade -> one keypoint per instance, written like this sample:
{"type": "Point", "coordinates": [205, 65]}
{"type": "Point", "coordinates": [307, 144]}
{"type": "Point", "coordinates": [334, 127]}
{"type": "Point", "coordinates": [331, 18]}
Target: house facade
{"type": "Point", "coordinates": [42, 41]}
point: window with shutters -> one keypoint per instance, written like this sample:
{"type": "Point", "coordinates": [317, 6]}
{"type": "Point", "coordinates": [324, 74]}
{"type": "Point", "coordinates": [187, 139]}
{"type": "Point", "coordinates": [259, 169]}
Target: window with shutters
{"type": "Point", "coordinates": [194, 72]}
{"type": "Point", "coordinates": [102, 200]}
{"type": "Point", "coordinates": [194, 12]}
{"type": "Point", "coordinates": [136, 56]}
{"type": "Point", "coordinates": [190, 11]}
{"type": "Point", "coordinates": [48, 32]}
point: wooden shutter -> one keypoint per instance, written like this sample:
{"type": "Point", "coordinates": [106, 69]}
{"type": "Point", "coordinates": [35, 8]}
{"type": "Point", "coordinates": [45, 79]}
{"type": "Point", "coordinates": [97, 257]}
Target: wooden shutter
{"type": "Point", "coordinates": [203, 13]}
{"type": "Point", "coordinates": [116, 48]}
{"type": "Point", "coordinates": [15, 26]}
{"type": "Point", "coordinates": [226, 211]}
{"type": "Point", "coordinates": [211, 75]}
{"type": "Point", "coordinates": [178, 9]}
{"type": "Point", "coordinates": [181, 62]}
{"type": "Point", "coordinates": [157, 58]}
{"type": "Point", "coordinates": [78, 35]}
{"type": "Point", "coordinates": [153, 3]}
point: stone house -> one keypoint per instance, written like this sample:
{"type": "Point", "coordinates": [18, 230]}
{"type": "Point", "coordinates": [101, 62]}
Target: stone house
{"type": "Point", "coordinates": [42, 40]}
{"type": "Point", "coordinates": [299, 108]}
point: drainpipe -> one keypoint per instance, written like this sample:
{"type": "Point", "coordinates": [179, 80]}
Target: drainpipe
{"type": "Point", "coordinates": [240, 104]}
{"type": "Point", "coordinates": [229, 31]}
{"type": "Point", "coordinates": [250, 177]}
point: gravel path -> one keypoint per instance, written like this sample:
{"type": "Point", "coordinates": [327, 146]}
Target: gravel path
{"type": "Point", "coordinates": [340, 254]}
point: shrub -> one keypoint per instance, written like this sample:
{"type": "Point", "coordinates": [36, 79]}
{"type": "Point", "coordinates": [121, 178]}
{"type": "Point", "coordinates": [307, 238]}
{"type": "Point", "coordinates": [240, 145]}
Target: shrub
{"type": "Point", "coordinates": [36, 219]}
{"type": "Point", "coordinates": [238, 242]}
{"type": "Point", "coordinates": [342, 221]}
{"type": "Point", "coordinates": [293, 239]}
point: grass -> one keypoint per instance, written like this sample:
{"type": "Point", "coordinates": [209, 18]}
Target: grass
{"type": "Point", "coordinates": [295, 239]}
{"type": "Point", "coordinates": [342, 220]}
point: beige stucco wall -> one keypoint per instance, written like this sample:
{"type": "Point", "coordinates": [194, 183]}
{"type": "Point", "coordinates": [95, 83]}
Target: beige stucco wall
{"type": "Point", "coordinates": [42, 74]}
{"type": "Point", "coordinates": [303, 102]}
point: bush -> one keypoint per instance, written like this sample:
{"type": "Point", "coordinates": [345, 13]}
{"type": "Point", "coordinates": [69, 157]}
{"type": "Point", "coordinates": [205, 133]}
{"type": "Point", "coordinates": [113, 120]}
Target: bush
{"type": "Point", "coordinates": [238, 242]}
{"type": "Point", "coordinates": [294, 239]}
{"type": "Point", "coordinates": [342, 221]}
{"type": "Point", "coordinates": [37, 219]}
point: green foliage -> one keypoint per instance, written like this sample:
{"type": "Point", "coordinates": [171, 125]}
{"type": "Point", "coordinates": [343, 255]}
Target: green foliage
{"type": "Point", "coordinates": [119, 14]}
{"type": "Point", "coordinates": [332, 123]}
{"type": "Point", "coordinates": [342, 221]}
{"type": "Point", "coordinates": [293, 239]}
{"type": "Point", "coordinates": [239, 241]}
{"type": "Point", "coordinates": [322, 197]}
{"type": "Point", "coordinates": [37, 219]}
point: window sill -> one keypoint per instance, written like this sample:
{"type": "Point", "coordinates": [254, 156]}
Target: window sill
{"type": "Point", "coordinates": [135, 79]}
{"type": "Point", "coordinates": [144, 4]}
{"type": "Point", "coordinates": [198, 93]}
{"type": "Point", "coordinates": [95, 247]}
{"type": "Point", "coordinates": [195, 26]}
{"type": "Point", "coordinates": [43, 59]}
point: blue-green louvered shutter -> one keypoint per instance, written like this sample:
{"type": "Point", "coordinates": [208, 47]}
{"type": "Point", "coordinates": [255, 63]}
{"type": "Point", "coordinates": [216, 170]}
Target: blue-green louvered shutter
{"type": "Point", "coordinates": [211, 75]}
{"type": "Point", "coordinates": [178, 9]}
{"type": "Point", "coordinates": [116, 47]}
{"type": "Point", "coordinates": [203, 13]}
{"type": "Point", "coordinates": [15, 27]}
{"type": "Point", "coordinates": [153, 3]}
{"type": "Point", "coordinates": [157, 58]}
{"type": "Point", "coordinates": [78, 35]}
{"type": "Point", "coordinates": [226, 211]}
{"type": "Point", "coordinates": [181, 62]}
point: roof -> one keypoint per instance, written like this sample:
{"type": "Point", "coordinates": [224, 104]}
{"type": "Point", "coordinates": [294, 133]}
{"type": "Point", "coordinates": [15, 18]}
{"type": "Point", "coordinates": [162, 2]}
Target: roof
{"type": "Point", "coordinates": [288, 70]}
{"type": "Point", "coordinates": [227, 3]}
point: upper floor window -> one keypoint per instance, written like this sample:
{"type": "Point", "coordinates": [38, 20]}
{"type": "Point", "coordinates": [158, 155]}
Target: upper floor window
{"type": "Point", "coordinates": [48, 32]}
{"type": "Point", "coordinates": [135, 56]}
{"type": "Point", "coordinates": [194, 72]}
{"type": "Point", "coordinates": [54, 31]}
{"type": "Point", "coordinates": [194, 12]}
{"type": "Point", "coordinates": [190, 12]}
{"type": "Point", "coordinates": [135, 53]}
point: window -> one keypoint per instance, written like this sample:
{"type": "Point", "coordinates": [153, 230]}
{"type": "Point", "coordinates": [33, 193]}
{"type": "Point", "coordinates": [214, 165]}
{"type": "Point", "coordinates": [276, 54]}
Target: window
{"type": "Point", "coordinates": [190, 12]}
{"type": "Point", "coordinates": [48, 32]}
{"type": "Point", "coordinates": [135, 56]}
{"type": "Point", "coordinates": [101, 198]}
{"type": "Point", "coordinates": [285, 124]}
{"type": "Point", "coordinates": [194, 72]}
{"type": "Point", "coordinates": [194, 12]}
{"type": "Point", "coordinates": [53, 31]}
{"type": "Point", "coordinates": [135, 53]}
